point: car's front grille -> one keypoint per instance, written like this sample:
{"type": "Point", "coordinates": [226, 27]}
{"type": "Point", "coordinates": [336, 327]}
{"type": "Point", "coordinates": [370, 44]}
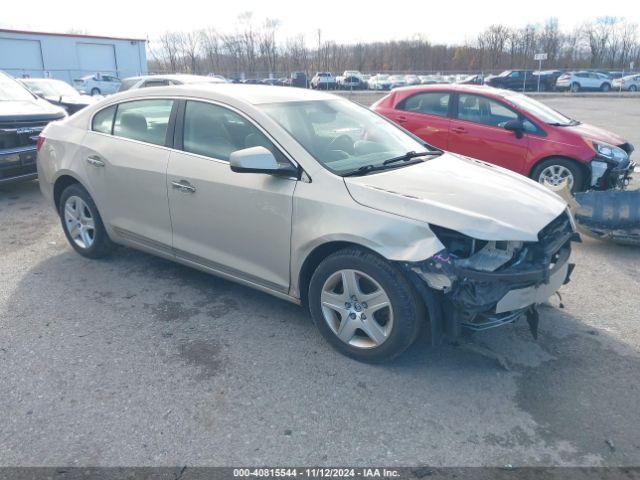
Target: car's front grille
{"type": "Point", "coordinates": [19, 134]}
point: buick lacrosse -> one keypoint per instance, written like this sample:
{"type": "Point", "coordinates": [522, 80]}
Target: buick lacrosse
{"type": "Point", "coordinates": [315, 200]}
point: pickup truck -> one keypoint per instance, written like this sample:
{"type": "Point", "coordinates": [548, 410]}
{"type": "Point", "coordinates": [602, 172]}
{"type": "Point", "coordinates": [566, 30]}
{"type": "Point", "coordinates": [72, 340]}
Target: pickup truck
{"type": "Point", "coordinates": [23, 115]}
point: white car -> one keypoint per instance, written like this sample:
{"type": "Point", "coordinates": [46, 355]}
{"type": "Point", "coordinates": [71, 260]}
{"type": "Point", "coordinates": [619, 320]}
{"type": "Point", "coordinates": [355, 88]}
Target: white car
{"type": "Point", "coordinates": [379, 82]}
{"type": "Point", "coordinates": [412, 79]}
{"type": "Point", "coordinates": [166, 80]}
{"type": "Point", "coordinates": [397, 81]}
{"type": "Point", "coordinates": [629, 83]}
{"type": "Point", "coordinates": [323, 81]}
{"type": "Point", "coordinates": [315, 200]}
{"type": "Point", "coordinates": [98, 84]}
{"type": "Point", "coordinates": [577, 81]}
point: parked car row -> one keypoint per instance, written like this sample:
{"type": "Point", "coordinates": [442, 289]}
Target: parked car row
{"type": "Point", "coordinates": [527, 80]}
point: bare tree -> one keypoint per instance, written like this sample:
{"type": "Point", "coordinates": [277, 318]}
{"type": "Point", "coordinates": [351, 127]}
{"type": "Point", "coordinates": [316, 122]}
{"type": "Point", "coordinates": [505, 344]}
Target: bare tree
{"type": "Point", "coordinates": [249, 50]}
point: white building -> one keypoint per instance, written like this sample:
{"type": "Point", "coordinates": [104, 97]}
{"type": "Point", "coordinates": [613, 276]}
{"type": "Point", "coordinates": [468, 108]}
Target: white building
{"type": "Point", "coordinates": [69, 56]}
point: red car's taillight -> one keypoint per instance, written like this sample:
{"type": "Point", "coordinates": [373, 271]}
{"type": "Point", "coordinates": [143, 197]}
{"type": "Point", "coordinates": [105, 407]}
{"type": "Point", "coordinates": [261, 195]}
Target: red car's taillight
{"type": "Point", "coordinates": [39, 143]}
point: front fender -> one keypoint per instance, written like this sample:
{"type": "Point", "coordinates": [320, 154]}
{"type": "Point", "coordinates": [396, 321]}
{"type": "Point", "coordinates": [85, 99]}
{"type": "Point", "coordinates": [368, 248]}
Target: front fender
{"type": "Point", "coordinates": [316, 223]}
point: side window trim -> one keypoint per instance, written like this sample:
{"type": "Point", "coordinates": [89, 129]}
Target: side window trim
{"type": "Point", "coordinates": [170, 136]}
{"type": "Point", "coordinates": [113, 117]}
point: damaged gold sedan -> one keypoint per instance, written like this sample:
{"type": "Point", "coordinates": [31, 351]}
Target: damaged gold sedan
{"type": "Point", "coordinates": [313, 199]}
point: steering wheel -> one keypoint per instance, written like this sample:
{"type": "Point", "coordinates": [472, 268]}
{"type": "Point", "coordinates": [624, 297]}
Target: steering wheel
{"type": "Point", "coordinates": [342, 142]}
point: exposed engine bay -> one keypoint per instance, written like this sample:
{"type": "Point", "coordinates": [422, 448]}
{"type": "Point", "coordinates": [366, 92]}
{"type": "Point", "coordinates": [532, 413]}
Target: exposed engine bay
{"type": "Point", "coordinates": [485, 284]}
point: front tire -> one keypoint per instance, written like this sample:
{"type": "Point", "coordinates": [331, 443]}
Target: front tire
{"type": "Point", "coordinates": [575, 87]}
{"type": "Point", "coordinates": [82, 223]}
{"type": "Point", "coordinates": [605, 87]}
{"type": "Point", "coordinates": [633, 88]}
{"type": "Point", "coordinates": [363, 306]}
{"type": "Point", "coordinates": [556, 170]}
{"type": "Point", "coordinates": [95, 91]}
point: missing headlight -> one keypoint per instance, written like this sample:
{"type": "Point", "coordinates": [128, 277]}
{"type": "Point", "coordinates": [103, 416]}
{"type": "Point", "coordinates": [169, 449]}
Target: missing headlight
{"type": "Point", "coordinates": [456, 243]}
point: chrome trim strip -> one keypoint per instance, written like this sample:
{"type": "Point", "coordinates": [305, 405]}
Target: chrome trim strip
{"type": "Point", "coordinates": [19, 178]}
{"type": "Point", "coordinates": [142, 240]}
{"type": "Point", "coordinates": [228, 271]}
{"type": "Point", "coordinates": [204, 264]}
{"type": "Point", "coordinates": [13, 151]}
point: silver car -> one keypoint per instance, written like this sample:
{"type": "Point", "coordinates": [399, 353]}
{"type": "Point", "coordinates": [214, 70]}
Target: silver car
{"type": "Point", "coordinates": [315, 200]}
{"type": "Point", "coordinates": [98, 84]}
{"type": "Point", "coordinates": [629, 83]}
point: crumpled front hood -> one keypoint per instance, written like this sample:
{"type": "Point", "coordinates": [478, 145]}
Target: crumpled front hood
{"type": "Point", "coordinates": [596, 133]}
{"type": "Point", "coordinates": [480, 200]}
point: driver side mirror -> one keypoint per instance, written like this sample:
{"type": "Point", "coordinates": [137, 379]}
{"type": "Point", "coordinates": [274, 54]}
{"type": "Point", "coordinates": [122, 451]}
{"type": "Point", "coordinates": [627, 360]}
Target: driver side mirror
{"type": "Point", "coordinates": [516, 126]}
{"type": "Point", "coordinates": [259, 160]}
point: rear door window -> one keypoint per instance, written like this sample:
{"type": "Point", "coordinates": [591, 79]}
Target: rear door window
{"type": "Point", "coordinates": [430, 103]}
{"type": "Point", "coordinates": [143, 120]}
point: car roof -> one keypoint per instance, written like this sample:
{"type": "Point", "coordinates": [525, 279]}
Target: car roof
{"type": "Point", "coordinates": [250, 94]}
{"type": "Point", "coordinates": [457, 87]}
{"type": "Point", "coordinates": [42, 80]}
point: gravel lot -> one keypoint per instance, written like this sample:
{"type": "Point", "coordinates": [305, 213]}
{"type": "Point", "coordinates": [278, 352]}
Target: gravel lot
{"type": "Point", "coordinates": [135, 360]}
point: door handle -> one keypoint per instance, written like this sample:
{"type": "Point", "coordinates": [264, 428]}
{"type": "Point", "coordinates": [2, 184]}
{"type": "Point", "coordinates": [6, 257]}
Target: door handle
{"type": "Point", "coordinates": [459, 130]}
{"type": "Point", "coordinates": [183, 186]}
{"type": "Point", "coordinates": [401, 119]}
{"type": "Point", "coordinates": [95, 161]}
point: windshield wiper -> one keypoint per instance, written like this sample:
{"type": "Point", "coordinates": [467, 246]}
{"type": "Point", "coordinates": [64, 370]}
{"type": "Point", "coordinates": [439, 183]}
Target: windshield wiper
{"type": "Point", "coordinates": [410, 155]}
{"type": "Point", "coordinates": [365, 169]}
{"type": "Point", "coordinates": [570, 123]}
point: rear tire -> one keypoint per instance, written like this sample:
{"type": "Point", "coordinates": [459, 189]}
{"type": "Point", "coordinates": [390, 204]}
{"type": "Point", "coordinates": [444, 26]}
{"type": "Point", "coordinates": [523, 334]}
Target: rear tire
{"type": "Point", "coordinates": [575, 87]}
{"type": "Point", "coordinates": [372, 332]}
{"type": "Point", "coordinates": [605, 87]}
{"type": "Point", "coordinates": [555, 169]}
{"type": "Point", "coordinates": [82, 223]}
{"type": "Point", "coordinates": [633, 88]}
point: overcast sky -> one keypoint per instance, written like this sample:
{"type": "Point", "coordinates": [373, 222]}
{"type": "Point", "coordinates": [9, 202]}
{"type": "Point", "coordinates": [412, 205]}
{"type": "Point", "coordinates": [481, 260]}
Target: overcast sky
{"type": "Point", "coordinates": [340, 20]}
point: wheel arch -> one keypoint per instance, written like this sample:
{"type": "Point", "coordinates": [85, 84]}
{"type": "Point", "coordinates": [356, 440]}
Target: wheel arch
{"type": "Point", "coordinates": [62, 182]}
{"type": "Point", "coordinates": [316, 256]}
{"type": "Point", "coordinates": [581, 165]}
{"type": "Point", "coordinates": [563, 157]}
{"type": "Point", "coordinates": [431, 299]}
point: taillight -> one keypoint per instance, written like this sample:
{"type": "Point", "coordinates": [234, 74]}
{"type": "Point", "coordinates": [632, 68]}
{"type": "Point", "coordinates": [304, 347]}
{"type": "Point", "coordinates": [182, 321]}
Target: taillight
{"type": "Point", "coordinates": [39, 143]}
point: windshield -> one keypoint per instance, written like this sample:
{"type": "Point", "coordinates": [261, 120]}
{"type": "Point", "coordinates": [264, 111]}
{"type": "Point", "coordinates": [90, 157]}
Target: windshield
{"type": "Point", "coordinates": [539, 110]}
{"type": "Point", "coordinates": [12, 90]}
{"type": "Point", "coordinates": [51, 88]}
{"type": "Point", "coordinates": [342, 136]}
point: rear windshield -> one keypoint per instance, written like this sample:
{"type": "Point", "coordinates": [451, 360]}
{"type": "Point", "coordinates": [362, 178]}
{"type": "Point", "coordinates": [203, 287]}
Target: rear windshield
{"type": "Point", "coordinates": [12, 90]}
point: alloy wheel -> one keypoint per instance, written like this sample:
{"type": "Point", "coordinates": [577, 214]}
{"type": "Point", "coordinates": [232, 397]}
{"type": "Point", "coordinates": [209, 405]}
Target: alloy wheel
{"type": "Point", "coordinates": [356, 308]}
{"type": "Point", "coordinates": [555, 175]}
{"type": "Point", "coordinates": [79, 222]}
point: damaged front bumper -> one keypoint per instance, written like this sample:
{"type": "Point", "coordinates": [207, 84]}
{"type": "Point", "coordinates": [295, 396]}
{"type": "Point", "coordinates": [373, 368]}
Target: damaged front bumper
{"type": "Point", "coordinates": [611, 174]}
{"type": "Point", "coordinates": [497, 282]}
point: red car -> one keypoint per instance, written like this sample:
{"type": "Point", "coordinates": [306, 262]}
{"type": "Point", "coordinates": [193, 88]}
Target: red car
{"type": "Point", "coordinates": [513, 131]}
